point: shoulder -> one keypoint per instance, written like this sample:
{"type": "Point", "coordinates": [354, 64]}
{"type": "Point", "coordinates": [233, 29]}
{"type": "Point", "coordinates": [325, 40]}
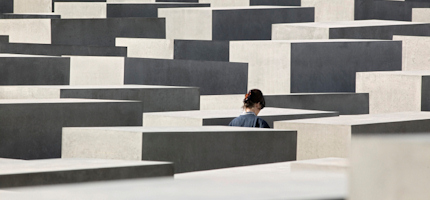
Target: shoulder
{"type": "Point", "coordinates": [262, 123]}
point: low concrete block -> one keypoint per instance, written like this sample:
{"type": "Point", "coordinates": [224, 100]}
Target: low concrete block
{"type": "Point", "coordinates": [241, 23]}
{"type": "Point", "coordinates": [31, 129]}
{"type": "Point", "coordinates": [397, 161]}
{"type": "Point", "coordinates": [102, 32]}
{"type": "Point", "coordinates": [144, 9]}
{"type": "Point", "coordinates": [322, 164]}
{"type": "Point", "coordinates": [224, 117]}
{"type": "Point", "coordinates": [212, 77]}
{"type": "Point", "coordinates": [313, 66]}
{"type": "Point", "coordinates": [4, 39]}
{"type": "Point", "coordinates": [388, 10]}
{"type": "Point", "coordinates": [96, 70]}
{"type": "Point", "coordinates": [333, 10]}
{"type": "Point", "coordinates": [191, 149]}
{"type": "Point", "coordinates": [358, 29]}
{"type": "Point", "coordinates": [152, 98]}
{"type": "Point", "coordinates": [201, 50]}
{"type": "Point", "coordinates": [27, 30]}
{"type": "Point", "coordinates": [57, 171]}
{"type": "Point", "coordinates": [81, 10]}
{"type": "Point", "coordinates": [30, 16]}
{"type": "Point", "coordinates": [415, 52]}
{"type": "Point", "coordinates": [331, 136]}
{"type": "Point", "coordinates": [421, 15]}
{"type": "Point", "coordinates": [6, 6]}
{"type": "Point", "coordinates": [32, 6]}
{"type": "Point", "coordinates": [147, 47]}
{"type": "Point", "coordinates": [398, 91]}
{"type": "Point", "coordinates": [236, 3]}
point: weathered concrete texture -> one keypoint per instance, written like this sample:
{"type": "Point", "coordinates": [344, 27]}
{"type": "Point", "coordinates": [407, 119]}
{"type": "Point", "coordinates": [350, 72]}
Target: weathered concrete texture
{"type": "Point", "coordinates": [6, 6]}
{"type": "Point", "coordinates": [152, 98]}
{"type": "Point", "coordinates": [421, 15]}
{"type": "Point", "coordinates": [241, 23]}
{"type": "Point", "coordinates": [144, 9]}
{"type": "Point", "coordinates": [58, 50]}
{"type": "Point", "coordinates": [212, 77]}
{"type": "Point", "coordinates": [415, 52]}
{"type": "Point", "coordinates": [399, 162]}
{"type": "Point", "coordinates": [27, 30]}
{"type": "Point", "coordinates": [190, 148]}
{"type": "Point", "coordinates": [331, 136]}
{"type": "Point", "coordinates": [201, 50]}
{"type": "Point", "coordinates": [235, 3]}
{"type": "Point", "coordinates": [81, 10]}
{"type": "Point", "coordinates": [396, 91]}
{"type": "Point", "coordinates": [34, 71]}
{"type": "Point", "coordinates": [56, 171]}
{"type": "Point", "coordinates": [309, 66]}
{"type": "Point", "coordinates": [31, 129]}
{"type": "Point", "coordinates": [322, 164]}
{"type": "Point", "coordinates": [147, 47]}
{"type": "Point", "coordinates": [102, 32]}
{"type": "Point", "coordinates": [333, 10]}
{"type": "Point", "coordinates": [32, 6]}
{"type": "Point", "coordinates": [358, 29]}
{"type": "Point", "coordinates": [388, 10]}
{"type": "Point", "coordinates": [224, 117]}
{"type": "Point", "coordinates": [29, 16]}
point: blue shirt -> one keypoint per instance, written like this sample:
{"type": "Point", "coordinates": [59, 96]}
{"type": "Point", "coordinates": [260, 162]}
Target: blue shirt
{"type": "Point", "coordinates": [249, 119]}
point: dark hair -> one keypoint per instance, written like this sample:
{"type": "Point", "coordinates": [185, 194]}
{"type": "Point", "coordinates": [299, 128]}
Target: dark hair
{"type": "Point", "coordinates": [252, 97]}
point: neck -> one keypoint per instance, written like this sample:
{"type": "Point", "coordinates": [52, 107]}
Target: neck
{"type": "Point", "coordinates": [254, 109]}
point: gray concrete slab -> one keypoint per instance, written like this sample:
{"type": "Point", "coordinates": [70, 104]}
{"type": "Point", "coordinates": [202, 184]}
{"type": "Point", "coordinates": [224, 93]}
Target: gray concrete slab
{"type": "Point", "coordinates": [144, 9]}
{"type": "Point", "coordinates": [398, 91]}
{"type": "Point", "coordinates": [397, 161]}
{"type": "Point", "coordinates": [147, 47]}
{"type": "Point", "coordinates": [388, 10]}
{"type": "Point", "coordinates": [6, 6]}
{"type": "Point", "coordinates": [31, 129]}
{"type": "Point", "coordinates": [333, 10]}
{"type": "Point", "coordinates": [201, 50]}
{"type": "Point", "coordinates": [313, 66]}
{"type": "Point", "coordinates": [212, 77]}
{"type": "Point", "coordinates": [322, 164]}
{"type": "Point", "coordinates": [189, 148]}
{"type": "Point", "coordinates": [223, 117]}
{"type": "Point", "coordinates": [331, 136]}
{"type": "Point", "coordinates": [102, 32]}
{"type": "Point", "coordinates": [153, 98]}
{"type": "Point", "coordinates": [4, 39]}
{"type": "Point", "coordinates": [239, 23]}
{"type": "Point", "coordinates": [29, 16]}
{"type": "Point", "coordinates": [60, 171]}
{"type": "Point", "coordinates": [239, 3]}
{"type": "Point", "coordinates": [415, 51]}
{"type": "Point", "coordinates": [358, 29]}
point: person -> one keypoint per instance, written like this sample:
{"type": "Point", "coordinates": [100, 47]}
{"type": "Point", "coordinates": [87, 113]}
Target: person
{"type": "Point", "coordinates": [252, 105]}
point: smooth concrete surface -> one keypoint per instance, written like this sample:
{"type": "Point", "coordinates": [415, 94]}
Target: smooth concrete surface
{"type": "Point", "coordinates": [96, 70]}
{"type": "Point", "coordinates": [27, 30]}
{"type": "Point", "coordinates": [224, 117]}
{"type": "Point", "coordinates": [58, 50]}
{"type": "Point", "coordinates": [239, 3]}
{"type": "Point", "coordinates": [390, 167]}
{"type": "Point", "coordinates": [210, 76]}
{"type": "Point", "coordinates": [4, 39]}
{"type": "Point", "coordinates": [222, 102]}
{"type": "Point", "coordinates": [201, 50]}
{"type": "Point", "coordinates": [398, 91]}
{"type": "Point", "coordinates": [358, 29]}
{"type": "Point", "coordinates": [189, 148]}
{"type": "Point", "coordinates": [34, 70]}
{"type": "Point", "coordinates": [388, 10]}
{"type": "Point", "coordinates": [31, 129]}
{"type": "Point", "coordinates": [415, 52]}
{"type": "Point", "coordinates": [6, 6]}
{"type": "Point", "coordinates": [32, 6]}
{"type": "Point", "coordinates": [29, 16]}
{"type": "Point", "coordinates": [322, 164]}
{"type": "Point", "coordinates": [239, 23]}
{"type": "Point", "coordinates": [145, 9]}
{"type": "Point", "coordinates": [313, 66]}
{"type": "Point", "coordinates": [102, 32]}
{"type": "Point", "coordinates": [60, 171]}
{"type": "Point", "coordinates": [332, 10]}
{"type": "Point", "coordinates": [147, 47]}
{"type": "Point", "coordinates": [153, 98]}
{"type": "Point", "coordinates": [81, 10]}
{"type": "Point", "coordinates": [421, 15]}
{"type": "Point", "coordinates": [331, 136]}
{"type": "Point", "coordinates": [9, 160]}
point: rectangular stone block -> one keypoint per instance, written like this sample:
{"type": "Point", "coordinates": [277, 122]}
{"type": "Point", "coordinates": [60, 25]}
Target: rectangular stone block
{"type": "Point", "coordinates": [212, 77]}
{"type": "Point", "coordinates": [29, 16]}
{"type": "Point", "coordinates": [236, 3]}
{"type": "Point", "coordinates": [240, 23]}
{"type": "Point", "coordinates": [333, 10]}
{"type": "Point", "coordinates": [102, 32]}
{"type": "Point", "coordinates": [147, 47]}
{"type": "Point", "coordinates": [152, 98]}
{"type": "Point", "coordinates": [144, 9]}
{"type": "Point", "coordinates": [398, 91]}
{"type": "Point", "coordinates": [27, 30]}
{"type": "Point", "coordinates": [399, 162]}
{"type": "Point", "coordinates": [4, 39]}
{"type": "Point", "coordinates": [96, 70]}
{"type": "Point", "coordinates": [331, 136]}
{"type": "Point", "coordinates": [322, 164]}
{"type": "Point", "coordinates": [358, 29]}
{"type": "Point", "coordinates": [224, 117]}
{"type": "Point", "coordinates": [190, 148]}
{"type": "Point", "coordinates": [6, 6]}
{"type": "Point", "coordinates": [313, 66]}
{"type": "Point", "coordinates": [421, 15]}
{"type": "Point", "coordinates": [415, 52]}
{"type": "Point", "coordinates": [32, 6]}
{"type": "Point", "coordinates": [60, 171]}
{"type": "Point", "coordinates": [81, 10]}
{"type": "Point", "coordinates": [201, 50]}
{"type": "Point", "coordinates": [388, 10]}
{"type": "Point", "coordinates": [31, 129]}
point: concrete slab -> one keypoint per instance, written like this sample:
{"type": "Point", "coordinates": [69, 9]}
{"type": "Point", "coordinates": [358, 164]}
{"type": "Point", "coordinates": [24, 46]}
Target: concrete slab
{"type": "Point", "coordinates": [420, 15]}
{"type": "Point", "coordinates": [201, 50]}
{"type": "Point", "coordinates": [4, 39]}
{"type": "Point", "coordinates": [27, 30]}
{"type": "Point", "coordinates": [397, 161]}
{"type": "Point", "coordinates": [31, 129]}
{"type": "Point", "coordinates": [223, 117]}
{"type": "Point", "coordinates": [388, 10]}
{"type": "Point", "coordinates": [239, 23]}
{"type": "Point", "coordinates": [212, 77]}
{"type": "Point", "coordinates": [333, 10]}
{"type": "Point", "coordinates": [152, 98]}
{"type": "Point", "coordinates": [322, 164]}
{"type": "Point", "coordinates": [358, 29]}
{"type": "Point", "coordinates": [313, 66]}
{"type": "Point", "coordinates": [331, 136]}
{"type": "Point", "coordinates": [29, 16]}
{"type": "Point", "coordinates": [145, 9]}
{"type": "Point", "coordinates": [81, 10]}
{"type": "Point", "coordinates": [415, 51]}
{"type": "Point", "coordinates": [9, 160]}
{"type": "Point", "coordinates": [147, 47]}
{"type": "Point", "coordinates": [102, 32]}
{"type": "Point", "coordinates": [190, 148]}
{"type": "Point", "coordinates": [236, 3]}
{"type": "Point", "coordinates": [96, 70]}
{"type": "Point", "coordinates": [6, 6]}
{"type": "Point", "coordinates": [60, 171]}
{"type": "Point", "coordinates": [398, 91]}
{"type": "Point", "coordinates": [32, 6]}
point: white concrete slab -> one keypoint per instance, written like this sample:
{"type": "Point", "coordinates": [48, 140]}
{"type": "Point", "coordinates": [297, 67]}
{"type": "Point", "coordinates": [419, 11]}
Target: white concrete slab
{"type": "Point", "coordinates": [322, 164]}
{"type": "Point", "coordinates": [27, 30]}
{"type": "Point", "coordinates": [415, 52]}
{"type": "Point", "coordinates": [81, 10]}
{"type": "Point", "coordinates": [147, 47]}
